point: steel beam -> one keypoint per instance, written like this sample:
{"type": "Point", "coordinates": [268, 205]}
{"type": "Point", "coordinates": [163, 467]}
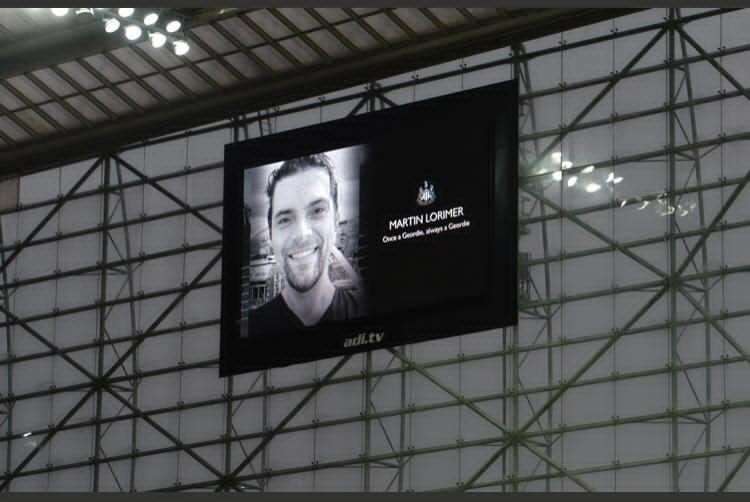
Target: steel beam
{"type": "Point", "coordinates": [473, 407]}
{"type": "Point", "coordinates": [48, 437]}
{"type": "Point", "coordinates": [232, 478]}
{"type": "Point", "coordinates": [59, 204]}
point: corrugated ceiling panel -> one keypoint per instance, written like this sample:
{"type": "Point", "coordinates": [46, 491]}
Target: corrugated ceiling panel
{"type": "Point", "coordinates": [451, 17]}
{"type": "Point", "coordinates": [191, 80]}
{"type": "Point", "coordinates": [415, 20]}
{"type": "Point", "coordinates": [301, 19]}
{"type": "Point", "coordinates": [218, 72]}
{"type": "Point", "coordinates": [137, 93]}
{"type": "Point", "coordinates": [133, 61]}
{"type": "Point", "coordinates": [164, 87]}
{"type": "Point", "coordinates": [272, 26]}
{"type": "Point", "coordinates": [329, 43]}
{"type": "Point", "coordinates": [332, 15]}
{"type": "Point", "coordinates": [272, 58]}
{"type": "Point", "coordinates": [358, 36]}
{"type": "Point", "coordinates": [105, 67]}
{"type": "Point", "coordinates": [111, 101]}
{"type": "Point", "coordinates": [58, 113]}
{"type": "Point", "coordinates": [364, 10]}
{"type": "Point", "coordinates": [10, 128]}
{"type": "Point", "coordinates": [85, 107]}
{"type": "Point", "coordinates": [28, 89]}
{"type": "Point", "coordinates": [75, 71]}
{"type": "Point", "coordinates": [241, 31]}
{"type": "Point", "coordinates": [54, 82]}
{"type": "Point", "coordinates": [303, 52]}
{"type": "Point", "coordinates": [213, 39]}
{"type": "Point", "coordinates": [387, 28]}
{"type": "Point", "coordinates": [8, 100]}
{"type": "Point", "coordinates": [245, 65]}
{"type": "Point", "coordinates": [32, 118]}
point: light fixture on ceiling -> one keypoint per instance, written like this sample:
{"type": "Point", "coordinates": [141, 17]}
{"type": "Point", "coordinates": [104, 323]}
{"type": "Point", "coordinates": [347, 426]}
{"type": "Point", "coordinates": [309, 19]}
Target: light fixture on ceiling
{"type": "Point", "coordinates": [181, 47]}
{"type": "Point", "coordinates": [158, 33]}
{"type": "Point", "coordinates": [624, 203]}
{"type": "Point", "coordinates": [566, 164]}
{"type": "Point", "coordinates": [556, 157]}
{"type": "Point", "coordinates": [111, 25]}
{"type": "Point", "coordinates": [588, 169]}
{"type": "Point", "coordinates": [60, 11]}
{"type": "Point", "coordinates": [157, 39]}
{"type": "Point", "coordinates": [643, 206]}
{"type": "Point", "coordinates": [617, 180]}
{"type": "Point", "coordinates": [133, 32]}
{"type": "Point", "coordinates": [150, 19]}
{"type": "Point", "coordinates": [572, 181]}
{"type": "Point", "coordinates": [610, 177]}
{"type": "Point", "coordinates": [26, 434]}
{"type": "Point", "coordinates": [173, 26]}
{"type": "Point", "coordinates": [593, 187]}
{"type": "Point", "coordinates": [557, 175]}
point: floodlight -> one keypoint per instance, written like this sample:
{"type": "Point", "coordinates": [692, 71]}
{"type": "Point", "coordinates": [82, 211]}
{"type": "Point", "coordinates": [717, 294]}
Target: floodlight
{"type": "Point", "coordinates": [111, 25]}
{"type": "Point", "coordinates": [157, 39]}
{"type": "Point", "coordinates": [173, 26]}
{"type": "Point", "coordinates": [150, 18]}
{"type": "Point", "coordinates": [125, 11]}
{"type": "Point", "coordinates": [593, 187]}
{"type": "Point", "coordinates": [133, 32]}
{"type": "Point", "coordinates": [181, 47]}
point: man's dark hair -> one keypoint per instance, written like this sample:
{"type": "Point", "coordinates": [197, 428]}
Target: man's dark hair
{"type": "Point", "coordinates": [298, 165]}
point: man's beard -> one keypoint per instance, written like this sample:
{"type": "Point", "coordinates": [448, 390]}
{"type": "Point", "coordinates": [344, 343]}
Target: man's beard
{"type": "Point", "coordinates": [304, 280]}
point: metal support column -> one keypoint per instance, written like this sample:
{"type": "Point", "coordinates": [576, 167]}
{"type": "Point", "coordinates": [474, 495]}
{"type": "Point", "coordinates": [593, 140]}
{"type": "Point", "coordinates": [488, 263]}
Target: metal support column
{"type": "Point", "coordinates": [671, 221]}
{"type": "Point", "coordinates": [102, 314]}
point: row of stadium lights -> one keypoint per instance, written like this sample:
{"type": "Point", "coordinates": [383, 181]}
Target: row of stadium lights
{"type": "Point", "coordinates": [662, 205]}
{"type": "Point", "coordinates": [115, 18]}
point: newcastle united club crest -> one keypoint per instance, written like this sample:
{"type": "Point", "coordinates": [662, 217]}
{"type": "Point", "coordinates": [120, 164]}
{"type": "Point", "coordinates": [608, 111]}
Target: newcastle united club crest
{"type": "Point", "coordinates": [426, 194]}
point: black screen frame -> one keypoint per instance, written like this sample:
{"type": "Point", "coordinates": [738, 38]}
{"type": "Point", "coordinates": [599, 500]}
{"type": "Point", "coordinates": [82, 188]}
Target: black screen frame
{"type": "Point", "coordinates": [496, 307]}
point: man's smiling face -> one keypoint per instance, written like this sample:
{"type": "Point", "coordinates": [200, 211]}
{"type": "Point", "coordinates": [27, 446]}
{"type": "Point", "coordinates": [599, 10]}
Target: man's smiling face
{"type": "Point", "coordinates": [303, 227]}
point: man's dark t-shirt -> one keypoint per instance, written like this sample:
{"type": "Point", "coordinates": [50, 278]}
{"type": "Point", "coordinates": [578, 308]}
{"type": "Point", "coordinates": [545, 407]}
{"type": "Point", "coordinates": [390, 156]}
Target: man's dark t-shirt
{"type": "Point", "coordinates": [275, 317]}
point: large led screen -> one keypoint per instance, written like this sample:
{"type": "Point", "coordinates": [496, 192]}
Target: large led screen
{"type": "Point", "coordinates": [383, 229]}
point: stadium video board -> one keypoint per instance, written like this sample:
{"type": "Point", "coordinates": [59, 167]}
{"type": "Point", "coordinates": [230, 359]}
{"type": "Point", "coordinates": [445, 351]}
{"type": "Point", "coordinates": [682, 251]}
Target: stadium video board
{"type": "Point", "coordinates": [372, 231]}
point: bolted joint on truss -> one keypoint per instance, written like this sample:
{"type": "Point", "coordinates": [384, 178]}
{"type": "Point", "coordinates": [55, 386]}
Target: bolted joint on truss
{"type": "Point", "coordinates": [514, 438]}
{"type": "Point", "coordinates": [100, 383]}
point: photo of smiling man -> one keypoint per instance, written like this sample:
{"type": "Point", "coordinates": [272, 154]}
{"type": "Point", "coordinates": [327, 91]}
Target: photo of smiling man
{"type": "Point", "coordinates": [303, 234]}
